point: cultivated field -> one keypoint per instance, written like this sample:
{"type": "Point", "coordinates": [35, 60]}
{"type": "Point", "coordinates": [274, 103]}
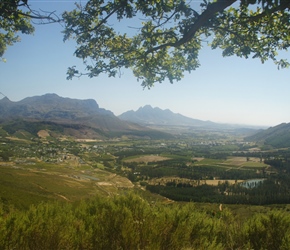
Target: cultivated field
{"type": "Point", "coordinates": [235, 162]}
{"type": "Point", "coordinates": [147, 158]}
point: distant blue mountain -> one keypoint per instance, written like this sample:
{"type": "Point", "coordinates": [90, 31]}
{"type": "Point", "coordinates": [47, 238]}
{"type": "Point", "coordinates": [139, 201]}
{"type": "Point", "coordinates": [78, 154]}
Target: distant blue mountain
{"type": "Point", "coordinates": [50, 106]}
{"type": "Point", "coordinates": [83, 116]}
{"type": "Point", "coordinates": [155, 116]}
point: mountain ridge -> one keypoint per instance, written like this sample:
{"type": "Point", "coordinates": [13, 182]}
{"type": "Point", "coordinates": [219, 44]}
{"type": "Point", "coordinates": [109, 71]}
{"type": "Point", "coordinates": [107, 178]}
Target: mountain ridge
{"type": "Point", "coordinates": [48, 106]}
{"type": "Point", "coordinates": [147, 115]}
{"type": "Point", "coordinates": [277, 136]}
{"type": "Point", "coordinates": [73, 115]}
{"type": "Point", "coordinates": [89, 117]}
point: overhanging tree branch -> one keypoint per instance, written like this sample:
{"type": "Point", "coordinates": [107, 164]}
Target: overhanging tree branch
{"type": "Point", "coordinates": [169, 39]}
{"type": "Point", "coordinates": [284, 5]}
{"type": "Point", "coordinates": [16, 16]}
{"type": "Point", "coordinates": [211, 10]}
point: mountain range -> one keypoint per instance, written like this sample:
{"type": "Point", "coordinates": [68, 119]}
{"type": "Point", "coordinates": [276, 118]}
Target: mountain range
{"type": "Point", "coordinates": [168, 121]}
{"type": "Point", "coordinates": [148, 115]}
{"type": "Point", "coordinates": [50, 106]}
{"type": "Point", "coordinates": [73, 117]}
{"type": "Point", "coordinates": [85, 119]}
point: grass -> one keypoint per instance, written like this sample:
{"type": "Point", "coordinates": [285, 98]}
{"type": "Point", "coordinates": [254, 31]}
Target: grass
{"type": "Point", "coordinates": [177, 157]}
{"type": "Point", "coordinates": [206, 161]}
{"type": "Point", "coordinates": [146, 158]}
{"type": "Point", "coordinates": [99, 165]}
{"type": "Point", "coordinates": [255, 164]}
{"type": "Point", "coordinates": [23, 185]}
{"type": "Point", "coordinates": [235, 162]}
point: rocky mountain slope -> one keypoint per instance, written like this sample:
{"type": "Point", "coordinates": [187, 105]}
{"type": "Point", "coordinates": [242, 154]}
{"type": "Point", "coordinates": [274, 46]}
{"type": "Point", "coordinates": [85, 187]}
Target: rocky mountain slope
{"type": "Point", "coordinates": [78, 118]}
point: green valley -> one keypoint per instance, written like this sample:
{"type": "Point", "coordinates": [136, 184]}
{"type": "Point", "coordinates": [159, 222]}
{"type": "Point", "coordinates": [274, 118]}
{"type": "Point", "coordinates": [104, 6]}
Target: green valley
{"type": "Point", "coordinates": [76, 184]}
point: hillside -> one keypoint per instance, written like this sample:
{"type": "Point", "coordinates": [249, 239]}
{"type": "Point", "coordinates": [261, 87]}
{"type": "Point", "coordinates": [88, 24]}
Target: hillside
{"type": "Point", "coordinates": [277, 137]}
{"type": "Point", "coordinates": [65, 116]}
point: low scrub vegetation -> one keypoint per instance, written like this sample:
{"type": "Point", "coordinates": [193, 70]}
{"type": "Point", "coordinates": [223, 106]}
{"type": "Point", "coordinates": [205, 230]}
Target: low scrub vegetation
{"type": "Point", "coordinates": [130, 222]}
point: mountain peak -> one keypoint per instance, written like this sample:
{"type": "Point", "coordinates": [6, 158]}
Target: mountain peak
{"type": "Point", "coordinates": [65, 116]}
{"type": "Point", "coordinates": [146, 107]}
{"type": "Point", "coordinates": [51, 95]}
{"type": "Point", "coordinates": [155, 116]}
{"type": "Point", "coordinates": [5, 99]}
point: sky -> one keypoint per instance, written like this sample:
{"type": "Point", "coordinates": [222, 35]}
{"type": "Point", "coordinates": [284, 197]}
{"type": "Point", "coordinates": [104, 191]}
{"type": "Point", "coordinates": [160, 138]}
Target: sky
{"type": "Point", "coordinates": [224, 90]}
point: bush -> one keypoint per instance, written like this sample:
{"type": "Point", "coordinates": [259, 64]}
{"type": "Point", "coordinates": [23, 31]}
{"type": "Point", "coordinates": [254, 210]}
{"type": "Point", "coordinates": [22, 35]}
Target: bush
{"type": "Point", "coordinates": [129, 222]}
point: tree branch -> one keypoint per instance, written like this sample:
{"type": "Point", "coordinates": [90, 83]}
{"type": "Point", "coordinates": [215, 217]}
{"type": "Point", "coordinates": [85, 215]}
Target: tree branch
{"type": "Point", "coordinates": [39, 17]}
{"type": "Point", "coordinates": [281, 7]}
{"type": "Point", "coordinates": [104, 20]}
{"type": "Point", "coordinates": [202, 19]}
{"type": "Point", "coordinates": [211, 10]}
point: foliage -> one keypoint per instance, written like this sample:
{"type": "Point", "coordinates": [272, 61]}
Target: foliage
{"type": "Point", "coordinates": [130, 222]}
{"type": "Point", "coordinates": [16, 16]}
{"type": "Point", "coordinates": [272, 191]}
{"type": "Point", "coordinates": [5, 154]}
{"type": "Point", "coordinates": [13, 20]}
{"type": "Point", "coordinates": [170, 168]}
{"type": "Point", "coordinates": [125, 220]}
{"type": "Point", "coordinates": [166, 36]}
{"type": "Point", "coordinates": [263, 231]}
{"type": "Point", "coordinates": [31, 127]}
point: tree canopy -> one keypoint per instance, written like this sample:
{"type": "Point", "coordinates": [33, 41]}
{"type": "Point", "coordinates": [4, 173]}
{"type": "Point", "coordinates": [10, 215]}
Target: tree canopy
{"type": "Point", "coordinates": [16, 17]}
{"type": "Point", "coordinates": [161, 39]}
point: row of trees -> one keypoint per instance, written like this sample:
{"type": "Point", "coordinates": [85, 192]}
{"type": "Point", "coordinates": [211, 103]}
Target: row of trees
{"type": "Point", "coordinates": [186, 182]}
{"type": "Point", "coordinates": [275, 190]}
{"type": "Point", "coordinates": [130, 222]}
{"type": "Point", "coordinates": [171, 168]}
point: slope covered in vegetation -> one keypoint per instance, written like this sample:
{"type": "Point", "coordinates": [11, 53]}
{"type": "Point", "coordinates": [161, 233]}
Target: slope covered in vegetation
{"type": "Point", "coordinates": [277, 137]}
{"type": "Point", "coordinates": [130, 222]}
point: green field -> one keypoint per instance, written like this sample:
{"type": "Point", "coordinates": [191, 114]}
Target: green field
{"type": "Point", "coordinates": [23, 185]}
{"type": "Point", "coordinates": [235, 162]}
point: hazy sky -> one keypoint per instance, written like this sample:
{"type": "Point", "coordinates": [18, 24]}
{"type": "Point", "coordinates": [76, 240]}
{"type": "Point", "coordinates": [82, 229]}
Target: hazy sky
{"type": "Point", "coordinates": [225, 90]}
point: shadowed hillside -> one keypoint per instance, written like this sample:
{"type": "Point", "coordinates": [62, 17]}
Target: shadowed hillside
{"type": "Point", "coordinates": [65, 116]}
{"type": "Point", "coordinates": [278, 136]}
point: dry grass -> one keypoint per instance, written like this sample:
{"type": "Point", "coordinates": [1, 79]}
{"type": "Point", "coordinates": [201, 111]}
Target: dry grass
{"type": "Point", "coordinates": [216, 182]}
{"type": "Point", "coordinates": [148, 158]}
{"type": "Point", "coordinates": [43, 133]}
{"type": "Point", "coordinates": [197, 158]}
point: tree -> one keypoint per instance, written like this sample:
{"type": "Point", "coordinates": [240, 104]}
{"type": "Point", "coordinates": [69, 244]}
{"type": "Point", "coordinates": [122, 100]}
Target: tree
{"type": "Point", "coordinates": [17, 16]}
{"type": "Point", "coordinates": [165, 37]}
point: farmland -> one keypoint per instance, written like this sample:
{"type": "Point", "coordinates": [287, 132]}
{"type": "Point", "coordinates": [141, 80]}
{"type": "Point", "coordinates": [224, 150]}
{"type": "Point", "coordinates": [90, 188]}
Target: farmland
{"type": "Point", "coordinates": [52, 192]}
{"type": "Point", "coordinates": [47, 169]}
